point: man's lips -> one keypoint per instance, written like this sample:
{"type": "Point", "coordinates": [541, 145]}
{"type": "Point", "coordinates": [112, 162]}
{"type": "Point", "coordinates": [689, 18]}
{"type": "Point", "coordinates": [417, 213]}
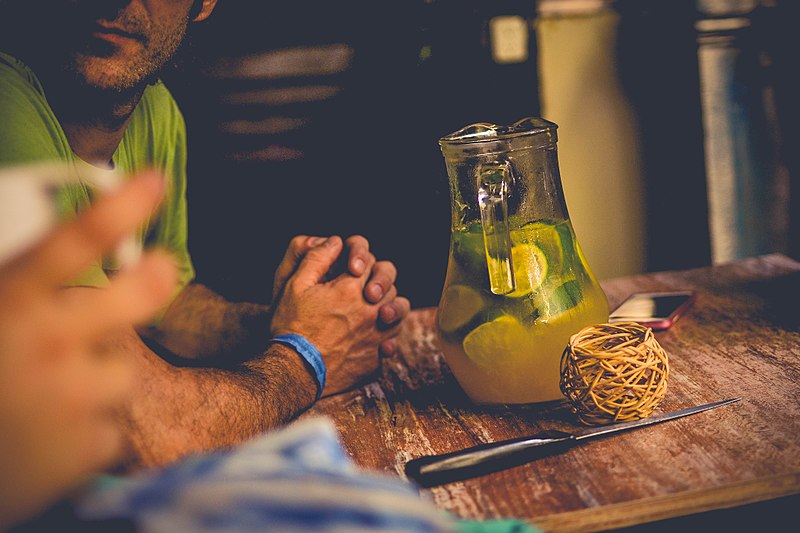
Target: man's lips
{"type": "Point", "coordinates": [113, 33]}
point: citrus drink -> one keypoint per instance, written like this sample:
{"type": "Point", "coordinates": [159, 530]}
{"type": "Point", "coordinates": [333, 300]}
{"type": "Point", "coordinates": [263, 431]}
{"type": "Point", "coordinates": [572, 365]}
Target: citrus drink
{"type": "Point", "coordinates": [506, 348]}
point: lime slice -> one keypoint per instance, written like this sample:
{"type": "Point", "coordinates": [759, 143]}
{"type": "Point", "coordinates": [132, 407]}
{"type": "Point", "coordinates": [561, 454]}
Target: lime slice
{"type": "Point", "coordinates": [537, 232]}
{"type": "Point", "coordinates": [458, 307]}
{"type": "Point", "coordinates": [493, 343]}
{"type": "Point", "coordinates": [546, 236]}
{"type": "Point", "coordinates": [566, 238]}
{"type": "Point", "coordinates": [554, 305]}
{"type": "Point", "coordinates": [469, 251]}
{"type": "Point", "coordinates": [530, 269]}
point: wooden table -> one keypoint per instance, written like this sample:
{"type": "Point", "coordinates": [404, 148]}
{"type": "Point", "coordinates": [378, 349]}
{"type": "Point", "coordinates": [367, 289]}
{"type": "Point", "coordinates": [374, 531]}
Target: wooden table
{"type": "Point", "coordinates": [741, 338]}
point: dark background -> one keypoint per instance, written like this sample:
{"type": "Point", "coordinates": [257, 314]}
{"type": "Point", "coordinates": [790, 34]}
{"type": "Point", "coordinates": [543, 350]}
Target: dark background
{"type": "Point", "coordinates": [366, 158]}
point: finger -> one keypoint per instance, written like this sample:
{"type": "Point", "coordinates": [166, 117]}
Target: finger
{"type": "Point", "coordinates": [106, 445]}
{"type": "Point", "coordinates": [317, 262]}
{"type": "Point", "coordinates": [384, 274]}
{"type": "Point", "coordinates": [388, 347]}
{"type": "Point", "coordinates": [72, 247]}
{"type": "Point", "coordinates": [394, 311]}
{"type": "Point", "coordinates": [297, 249]}
{"type": "Point", "coordinates": [357, 282]}
{"type": "Point", "coordinates": [111, 387]}
{"type": "Point", "coordinates": [291, 258]}
{"type": "Point", "coordinates": [359, 251]}
{"type": "Point", "coordinates": [134, 296]}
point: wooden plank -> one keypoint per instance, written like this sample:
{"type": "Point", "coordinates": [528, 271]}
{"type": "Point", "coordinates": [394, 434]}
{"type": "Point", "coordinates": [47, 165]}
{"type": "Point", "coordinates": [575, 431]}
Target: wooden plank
{"type": "Point", "coordinates": [741, 338]}
{"type": "Point", "coordinates": [663, 507]}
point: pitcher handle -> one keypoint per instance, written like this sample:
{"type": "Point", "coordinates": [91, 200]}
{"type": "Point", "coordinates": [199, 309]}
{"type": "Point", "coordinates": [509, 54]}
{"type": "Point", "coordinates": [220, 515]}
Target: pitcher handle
{"type": "Point", "coordinates": [493, 188]}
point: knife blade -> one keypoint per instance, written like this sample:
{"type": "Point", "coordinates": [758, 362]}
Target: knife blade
{"type": "Point", "coordinates": [432, 470]}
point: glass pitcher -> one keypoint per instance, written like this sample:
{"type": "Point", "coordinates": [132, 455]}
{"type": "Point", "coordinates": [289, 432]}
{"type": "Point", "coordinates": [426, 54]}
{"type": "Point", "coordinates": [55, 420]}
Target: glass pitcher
{"type": "Point", "coordinates": [517, 284]}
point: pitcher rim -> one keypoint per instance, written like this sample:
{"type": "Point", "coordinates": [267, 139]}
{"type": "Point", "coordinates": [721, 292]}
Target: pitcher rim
{"type": "Point", "coordinates": [487, 132]}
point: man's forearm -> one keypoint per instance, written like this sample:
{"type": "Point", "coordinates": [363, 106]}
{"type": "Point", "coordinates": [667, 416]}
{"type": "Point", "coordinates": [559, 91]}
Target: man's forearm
{"type": "Point", "coordinates": [178, 411]}
{"type": "Point", "coordinates": [201, 324]}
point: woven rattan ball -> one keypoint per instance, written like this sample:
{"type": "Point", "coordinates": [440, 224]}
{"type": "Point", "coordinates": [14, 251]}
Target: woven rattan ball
{"type": "Point", "coordinates": [614, 373]}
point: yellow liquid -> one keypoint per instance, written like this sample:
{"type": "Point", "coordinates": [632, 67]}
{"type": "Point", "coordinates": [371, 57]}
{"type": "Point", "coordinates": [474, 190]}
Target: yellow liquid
{"type": "Point", "coordinates": [507, 348]}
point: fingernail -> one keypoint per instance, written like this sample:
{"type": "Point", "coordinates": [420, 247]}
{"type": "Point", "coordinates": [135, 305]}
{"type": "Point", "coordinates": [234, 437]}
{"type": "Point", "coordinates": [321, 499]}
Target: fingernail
{"type": "Point", "coordinates": [376, 290]}
{"type": "Point", "coordinates": [316, 241]}
{"type": "Point", "coordinates": [330, 241]}
{"type": "Point", "coordinates": [389, 314]}
{"type": "Point", "coordinates": [358, 265]}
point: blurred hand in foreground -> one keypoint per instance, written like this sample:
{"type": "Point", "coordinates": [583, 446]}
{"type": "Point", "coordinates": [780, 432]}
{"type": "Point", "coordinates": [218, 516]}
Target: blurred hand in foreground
{"type": "Point", "coordinates": [59, 389]}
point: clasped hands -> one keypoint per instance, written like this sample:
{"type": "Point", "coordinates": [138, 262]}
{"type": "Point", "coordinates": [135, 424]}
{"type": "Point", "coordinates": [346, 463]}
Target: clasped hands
{"type": "Point", "coordinates": [343, 300]}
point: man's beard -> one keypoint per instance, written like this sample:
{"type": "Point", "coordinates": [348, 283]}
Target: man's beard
{"type": "Point", "coordinates": [101, 66]}
{"type": "Point", "coordinates": [55, 37]}
{"type": "Point", "coordinates": [92, 68]}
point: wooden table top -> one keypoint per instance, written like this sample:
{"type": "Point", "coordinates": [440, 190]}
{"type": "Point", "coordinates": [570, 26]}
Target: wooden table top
{"type": "Point", "coordinates": [740, 338]}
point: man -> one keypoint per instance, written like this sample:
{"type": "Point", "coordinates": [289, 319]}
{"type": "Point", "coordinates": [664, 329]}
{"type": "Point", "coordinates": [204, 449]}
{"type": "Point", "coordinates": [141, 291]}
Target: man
{"type": "Point", "coordinates": [78, 83]}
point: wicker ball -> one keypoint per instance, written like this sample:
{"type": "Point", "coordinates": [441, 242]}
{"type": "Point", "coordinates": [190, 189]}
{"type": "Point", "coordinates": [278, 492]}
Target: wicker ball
{"type": "Point", "coordinates": [614, 373]}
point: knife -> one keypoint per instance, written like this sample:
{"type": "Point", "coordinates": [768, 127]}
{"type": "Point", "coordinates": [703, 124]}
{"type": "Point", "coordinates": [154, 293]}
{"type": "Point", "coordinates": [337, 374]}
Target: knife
{"type": "Point", "coordinates": [432, 470]}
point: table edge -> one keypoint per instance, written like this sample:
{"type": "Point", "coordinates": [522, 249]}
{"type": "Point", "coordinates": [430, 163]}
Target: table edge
{"type": "Point", "coordinates": [657, 508]}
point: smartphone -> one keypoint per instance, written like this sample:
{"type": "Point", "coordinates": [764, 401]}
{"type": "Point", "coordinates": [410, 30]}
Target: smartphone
{"type": "Point", "coordinates": [656, 310]}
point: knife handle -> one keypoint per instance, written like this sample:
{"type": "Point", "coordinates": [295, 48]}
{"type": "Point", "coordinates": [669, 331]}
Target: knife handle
{"type": "Point", "coordinates": [432, 470]}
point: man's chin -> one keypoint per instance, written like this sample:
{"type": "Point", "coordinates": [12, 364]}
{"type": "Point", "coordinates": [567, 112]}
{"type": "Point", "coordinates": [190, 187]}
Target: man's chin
{"type": "Point", "coordinates": [108, 74]}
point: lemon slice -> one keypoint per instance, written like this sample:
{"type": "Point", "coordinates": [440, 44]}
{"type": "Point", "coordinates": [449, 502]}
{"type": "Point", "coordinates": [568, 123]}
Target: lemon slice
{"type": "Point", "coordinates": [530, 269]}
{"type": "Point", "coordinates": [458, 307]}
{"type": "Point", "coordinates": [494, 343]}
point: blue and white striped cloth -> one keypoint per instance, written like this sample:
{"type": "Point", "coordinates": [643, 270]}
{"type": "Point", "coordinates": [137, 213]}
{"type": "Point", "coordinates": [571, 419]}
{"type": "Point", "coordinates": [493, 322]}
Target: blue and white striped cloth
{"type": "Point", "coordinates": [294, 480]}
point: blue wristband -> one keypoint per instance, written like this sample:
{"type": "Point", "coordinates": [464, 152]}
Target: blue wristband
{"type": "Point", "coordinates": [308, 352]}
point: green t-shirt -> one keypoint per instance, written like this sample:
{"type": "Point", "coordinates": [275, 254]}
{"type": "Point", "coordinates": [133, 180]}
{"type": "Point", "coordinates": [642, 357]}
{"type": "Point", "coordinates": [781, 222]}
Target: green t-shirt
{"type": "Point", "coordinates": [155, 138]}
